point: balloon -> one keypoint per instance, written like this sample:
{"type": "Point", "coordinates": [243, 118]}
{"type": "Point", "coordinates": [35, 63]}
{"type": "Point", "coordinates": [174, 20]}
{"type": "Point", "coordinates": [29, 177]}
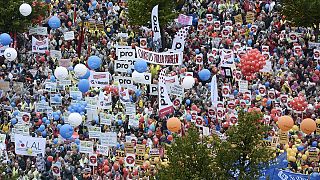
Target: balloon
{"type": "Point", "coordinates": [80, 70]}
{"type": "Point", "coordinates": [86, 76]}
{"type": "Point", "coordinates": [116, 166]}
{"type": "Point", "coordinates": [10, 54]}
{"type": "Point", "coordinates": [13, 121]}
{"type": "Point", "coordinates": [140, 66]}
{"type": "Point", "coordinates": [25, 9]}
{"type": "Point", "coordinates": [197, 51]}
{"type": "Point", "coordinates": [84, 85]}
{"type": "Point", "coordinates": [173, 124]}
{"type": "Point", "coordinates": [61, 73]}
{"type": "Point", "coordinates": [204, 74]}
{"type": "Point", "coordinates": [188, 82]}
{"type": "Point", "coordinates": [315, 175]}
{"type": "Point", "coordinates": [188, 117]}
{"type": "Point", "coordinates": [66, 131]}
{"type": "Point", "coordinates": [94, 62]}
{"type": "Point", "coordinates": [75, 119]}
{"type": "Point", "coordinates": [44, 134]}
{"type": "Point", "coordinates": [110, 4]}
{"type": "Point", "coordinates": [308, 126]}
{"type": "Point", "coordinates": [5, 39]}
{"type": "Point", "coordinates": [304, 157]}
{"type": "Point", "coordinates": [314, 144]}
{"type": "Point", "coordinates": [54, 22]}
{"type": "Point", "coordinates": [55, 141]}
{"type": "Point", "coordinates": [170, 137]}
{"type": "Point", "coordinates": [94, 3]}
{"type": "Point", "coordinates": [300, 148]}
{"type": "Point", "coordinates": [285, 123]}
{"type": "Point", "coordinates": [188, 101]}
{"type": "Point", "coordinates": [50, 158]}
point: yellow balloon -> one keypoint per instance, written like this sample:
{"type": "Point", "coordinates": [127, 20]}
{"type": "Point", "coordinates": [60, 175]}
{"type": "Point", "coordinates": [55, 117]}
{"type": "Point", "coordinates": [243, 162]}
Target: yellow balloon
{"type": "Point", "coordinates": [298, 140]}
{"type": "Point", "coordinates": [156, 160]}
{"type": "Point", "coordinates": [29, 151]}
{"type": "Point", "coordinates": [147, 163]}
{"type": "Point", "coordinates": [286, 146]}
{"type": "Point", "coordinates": [307, 153]}
{"type": "Point", "coordinates": [304, 157]}
{"type": "Point", "coordinates": [295, 136]}
{"type": "Point", "coordinates": [292, 159]}
{"type": "Point", "coordinates": [282, 151]}
{"type": "Point", "coordinates": [295, 150]}
{"type": "Point", "coordinates": [146, 156]}
{"type": "Point", "coordinates": [289, 150]}
{"type": "Point", "coordinates": [318, 121]}
{"type": "Point", "coordinates": [295, 128]}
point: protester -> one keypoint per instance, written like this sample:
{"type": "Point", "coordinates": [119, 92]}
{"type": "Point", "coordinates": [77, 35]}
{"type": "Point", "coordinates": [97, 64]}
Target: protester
{"type": "Point", "coordinates": [72, 85]}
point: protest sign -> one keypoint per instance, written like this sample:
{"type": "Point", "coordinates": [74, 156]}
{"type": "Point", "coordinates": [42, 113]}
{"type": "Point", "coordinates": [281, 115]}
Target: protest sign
{"type": "Point", "coordinates": [163, 58]}
{"type": "Point", "coordinates": [38, 31]}
{"type": "Point", "coordinates": [185, 20]}
{"type": "Point", "coordinates": [99, 79]}
{"type": "Point", "coordinates": [56, 169]}
{"type": "Point", "coordinates": [86, 147]}
{"type": "Point", "coordinates": [155, 25]}
{"type": "Point", "coordinates": [5, 85]}
{"type": "Point", "coordinates": [29, 146]}
{"type": "Point", "coordinates": [68, 35]}
{"type": "Point", "coordinates": [94, 132]}
{"type": "Point", "coordinates": [130, 109]}
{"type": "Point", "coordinates": [119, 154]}
{"type": "Point", "coordinates": [108, 139]}
{"type": "Point", "coordinates": [153, 89]}
{"type": "Point", "coordinates": [64, 62]}
{"type": "Point", "coordinates": [250, 17]}
{"type": "Point", "coordinates": [55, 54]}
{"type": "Point", "coordinates": [105, 118]}
{"type": "Point", "coordinates": [130, 159]}
{"type": "Point", "coordinates": [93, 161]}
{"type": "Point", "coordinates": [283, 135]}
{"type": "Point", "coordinates": [104, 150]}
{"type": "Point", "coordinates": [125, 54]}
{"type": "Point", "coordinates": [122, 66]}
{"type": "Point", "coordinates": [2, 141]}
{"type": "Point", "coordinates": [177, 90]}
{"type": "Point", "coordinates": [40, 46]}
{"type": "Point", "coordinates": [243, 85]}
{"type": "Point", "coordinates": [238, 18]}
{"type": "Point", "coordinates": [124, 81]}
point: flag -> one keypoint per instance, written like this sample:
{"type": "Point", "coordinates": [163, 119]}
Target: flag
{"type": "Point", "coordinates": [165, 104]}
{"type": "Point", "coordinates": [123, 95]}
{"type": "Point", "coordinates": [155, 25]}
{"type": "Point", "coordinates": [214, 89]}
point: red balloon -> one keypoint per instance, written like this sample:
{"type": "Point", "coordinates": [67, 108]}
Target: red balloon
{"type": "Point", "coordinates": [125, 171]}
{"type": "Point", "coordinates": [50, 158]}
{"type": "Point", "coordinates": [155, 140]}
{"type": "Point", "coordinates": [144, 141]}
{"type": "Point", "coordinates": [47, 52]}
{"type": "Point", "coordinates": [317, 72]}
{"type": "Point", "coordinates": [106, 168]}
{"type": "Point", "coordinates": [106, 162]}
{"type": "Point", "coordinates": [121, 160]}
{"type": "Point", "coordinates": [170, 137]}
{"type": "Point", "coordinates": [194, 107]}
{"type": "Point", "coordinates": [69, 23]}
{"type": "Point", "coordinates": [116, 166]}
{"type": "Point", "coordinates": [39, 122]}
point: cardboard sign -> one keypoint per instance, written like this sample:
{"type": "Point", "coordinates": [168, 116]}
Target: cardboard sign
{"type": "Point", "coordinates": [283, 137]}
{"type": "Point", "coordinates": [109, 139]}
{"type": "Point", "coordinates": [119, 154]}
{"type": "Point", "coordinates": [316, 54]}
{"type": "Point", "coordinates": [55, 54]}
{"type": "Point", "coordinates": [199, 58]}
{"type": "Point", "coordinates": [94, 132]}
{"type": "Point", "coordinates": [313, 154]}
{"type": "Point", "coordinates": [177, 90]}
{"type": "Point", "coordinates": [124, 81]}
{"type": "Point", "coordinates": [124, 54]}
{"type": "Point", "coordinates": [93, 161]}
{"type": "Point", "coordinates": [5, 85]}
{"type": "Point", "coordinates": [19, 129]}
{"type": "Point", "coordinates": [250, 17]}
{"type": "Point", "coordinates": [68, 35]}
{"type": "Point", "coordinates": [38, 31]}
{"type": "Point", "coordinates": [56, 169]}
{"type": "Point", "coordinates": [122, 66]}
{"type": "Point", "coordinates": [99, 79]}
{"type": "Point", "coordinates": [105, 119]}
{"type": "Point", "coordinates": [104, 150]}
{"type": "Point", "coordinates": [128, 147]}
{"type": "Point", "coordinates": [130, 109]}
{"type": "Point", "coordinates": [209, 18]}
{"type": "Point", "coordinates": [29, 146]}
{"type": "Point", "coordinates": [86, 147]}
{"type": "Point", "coordinates": [40, 46]}
{"type": "Point", "coordinates": [153, 153]}
{"type": "Point", "coordinates": [130, 159]}
{"type": "Point", "coordinates": [238, 19]}
{"type": "Point", "coordinates": [243, 85]}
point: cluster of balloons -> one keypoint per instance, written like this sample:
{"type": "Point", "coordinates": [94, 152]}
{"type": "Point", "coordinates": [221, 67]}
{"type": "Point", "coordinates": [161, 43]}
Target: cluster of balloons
{"type": "Point", "coordinates": [298, 103]}
{"type": "Point", "coordinates": [252, 62]}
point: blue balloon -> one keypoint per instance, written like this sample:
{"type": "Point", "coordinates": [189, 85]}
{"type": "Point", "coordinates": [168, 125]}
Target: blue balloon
{"type": "Point", "coordinates": [54, 22]}
{"type": "Point", "coordinates": [13, 121]}
{"type": "Point", "coordinates": [152, 127]}
{"type": "Point", "coordinates": [235, 92]}
{"type": "Point", "coordinates": [120, 122]}
{"type": "Point", "coordinates": [16, 112]}
{"type": "Point", "coordinates": [269, 102]}
{"type": "Point", "coordinates": [300, 148]}
{"type": "Point", "coordinates": [55, 141]}
{"type": "Point", "coordinates": [318, 67]}
{"type": "Point", "coordinates": [188, 117]}
{"type": "Point", "coordinates": [70, 68]}
{"type": "Point", "coordinates": [87, 75]}
{"type": "Point", "coordinates": [47, 122]}
{"type": "Point", "coordinates": [267, 84]}
{"type": "Point", "coordinates": [44, 119]}
{"type": "Point", "coordinates": [110, 4]}
{"type": "Point", "coordinates": [56, 117]}
{"type": "Point", "coordinates": [77, 141]}
{"type": "Point", "coordinates": [188, 101]}
{"type": "Point", "coordinates": [59, 112]}
{"type": "Point", "coordinates": [314, 144]}
{"type": "Point", "coordinates": [197, 51]}
{"type": "Point", "coordinates": [13, 104]}
{"type": "Point", "coordinates": [96, 119]}
{"type": "Point", "coordinates": [57, 98]}
{"type": "Point", "coordinates": [66, 131]}
{"type": "Point", "coordinates": [249, 25]}
{"type": "Point", "coordinates": [88, 16]}
{"type": "Point", "coordinates": [42, 127]}
{"type": "Point", "coordinates": [118, 146]}
{"type": "Point", "coordinates": [237, 60]}
{"type": "Point", "coordinates": [204, 75]}
{"type": "Point", "coordinates": [267, 6]}
{"type": "Point", "coordinates": [59, 126]}
{"type": "Point", "coordinates": [44, 134]}
{"type": "Point", "coordinates": [84, 85]}
{"type": "Point", "coordinates": [5, 39]}
{"type": "Point", "coordinates": [256, 91]}
{"type": "Point", "coordinates": [94, 3]}
{"type": "Point", "coordinates": [52, 78]}
{"type": "Point", "coordinates": [251, 33]}
{"type": "Point", "coordinates": [94, 62]}
{"type": "Point", "coordinates": [249, 41]}
{"type": "Point", "coordinates": [138, 92]}
{"type": "Point", "coordinates": [140, 66]}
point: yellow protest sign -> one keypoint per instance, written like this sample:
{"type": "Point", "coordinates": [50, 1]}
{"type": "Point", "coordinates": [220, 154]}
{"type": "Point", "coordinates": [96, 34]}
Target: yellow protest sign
{"type": "Point", "coordinates": [250, 17]}
{"type": "Point", "coordinates": [238, 19]}
{"type": "Point", "coordinates": [283, 137]}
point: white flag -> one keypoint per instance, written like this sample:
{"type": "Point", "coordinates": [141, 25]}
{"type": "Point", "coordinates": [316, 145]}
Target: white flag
{"type": "Point", "coordinates": [155, 25]}
{"type": "Point", "coordinates": [214, 89]}
{"type": "Point", "coordinates": [165, 104]}
{"type": "Point", "coordinates": [179, 39]}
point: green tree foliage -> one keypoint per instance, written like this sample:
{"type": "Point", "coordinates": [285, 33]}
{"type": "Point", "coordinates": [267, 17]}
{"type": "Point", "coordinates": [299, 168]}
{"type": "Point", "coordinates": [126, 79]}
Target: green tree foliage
{"type": "Point", "coordinates": [12, 21]}
{"type": "Point", "coordinates": [139, 12]}
{"type": "Point", "coordinates": [242, 152]}
{"type": "Point", "coordinates": [189, 158]}
{"type": "Point", "coordinates": [302, 12]}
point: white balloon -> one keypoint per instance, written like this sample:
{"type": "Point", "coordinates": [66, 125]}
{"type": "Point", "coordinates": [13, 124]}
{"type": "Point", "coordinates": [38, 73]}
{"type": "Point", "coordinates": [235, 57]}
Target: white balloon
{"type": "Point", "coordinates": [25, 9]}
{"type": "Point", "coordinates": [137, 77]}
{"type": "Point", "coordinates": [80, 70]}
{"type": "Point", "coordinates": [188, 82]}
{"type": "Point", "coordinates": [75, 119]}
{"type": "Point", "coordinates": [10, 54]}
{"type": "Point", "coordinates": [61, 73]}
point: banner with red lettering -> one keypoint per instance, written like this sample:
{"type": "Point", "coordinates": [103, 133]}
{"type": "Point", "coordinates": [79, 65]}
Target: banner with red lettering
{"type": "Point", "coordinates": [163, 58]}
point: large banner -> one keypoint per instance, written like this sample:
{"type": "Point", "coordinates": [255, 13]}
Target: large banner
{"type": "Point", "coordinates": [155, 25]}
{"type": "Point", "coordinates": [165, 104]}
{"type": "Point", "coordinates": [179, 39]}
{"type": "Point", "coordinates": [164, 58]}
{"type": "Point", "coordinates": [38, 31]}
{"type": "Point", "coordinates": [29, 146]}
{"type": "Point", "coordinates": [40, 46]}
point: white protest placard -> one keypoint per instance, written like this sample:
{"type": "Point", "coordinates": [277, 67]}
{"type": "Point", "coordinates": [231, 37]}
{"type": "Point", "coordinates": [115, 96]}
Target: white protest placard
{"type": "Point", "coordinates": [68, 35]}
{"type": "Point", "coordinates": [134, 122]}
{"type": "Point", "coordinates": [64, 62]}
{"type": "Point", "coordinates": [38, 31]}
{"type": "Point", "coordinates": [94, 132]}
{"type": "Point", "coordinates": [55, 54]}
{"type": "Point", "coordinates": [105, 101]}
{"type": "Point", "coordinates": [29, 146]}
{"type": "Point", "coordinates": [124, 81]}
{"type": "Point", "coordinates": [243, 85]}
{"type": "Point", "coordinates": [267, 68]}
{"type": "Point", "coordinates": [2, 141]}
{"type": "Point", "coordinates": [99, 79]}
{"type": "Point", "coordinates": [19, 129]}
{"type": "Point", "coordinates": [124, 54]}
{"type": "Point", "coordinates": [56, 169]}
{"type": "Point", "coordinates": [122, 66]}
{"type": "Point", "coordinates": [104, 150]}
{"type": "Point", "coordinates": [86, 147]}
{"type": "Point", "coordinates": [177, 90]}
{"type": "Point", "coordinates": [93, 161]}
{"type": "Point", "coordinates": [40, 46]}
{"type": "Point", "coordinates": [108, 139]}
{"type": "Point", "coordinates": [105, 118]}
{"type": "Point", "coordinates": [205, 131]}
{"type": "Point", "coordinates": [145, 79]}
{"type": "Point", "coordinates": [130, 109]}
{"type": "Point", "coordinates": [153, 89]}
{"type": "Point", "coordinates": [130, 159]}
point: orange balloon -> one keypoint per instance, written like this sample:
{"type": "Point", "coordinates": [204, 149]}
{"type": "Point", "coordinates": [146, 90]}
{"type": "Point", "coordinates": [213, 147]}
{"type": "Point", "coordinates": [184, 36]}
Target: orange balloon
{"type": "Point", "coordinates": [173, 124]}
{"type": "Point", "coordinates": [308, 126]}
{"type": "Point", "coordinates": [285, 123]}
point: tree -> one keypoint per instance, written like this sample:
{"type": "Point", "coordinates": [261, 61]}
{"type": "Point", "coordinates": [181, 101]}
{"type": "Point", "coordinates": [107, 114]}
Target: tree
{"type": "Point", "coordinates": [189, 158]}
{"type": "Point", "coordinates": [303, 13]}
{"type": "Point", "coordinates": [12, 21]}
{"type": "Point", "coordinates": [242, 154]}
{"type": "Point", "coordinates": [139, 12]}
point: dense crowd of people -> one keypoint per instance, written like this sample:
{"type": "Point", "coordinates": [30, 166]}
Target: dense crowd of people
{"type": "Point", "coordinates": [215, 39]}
